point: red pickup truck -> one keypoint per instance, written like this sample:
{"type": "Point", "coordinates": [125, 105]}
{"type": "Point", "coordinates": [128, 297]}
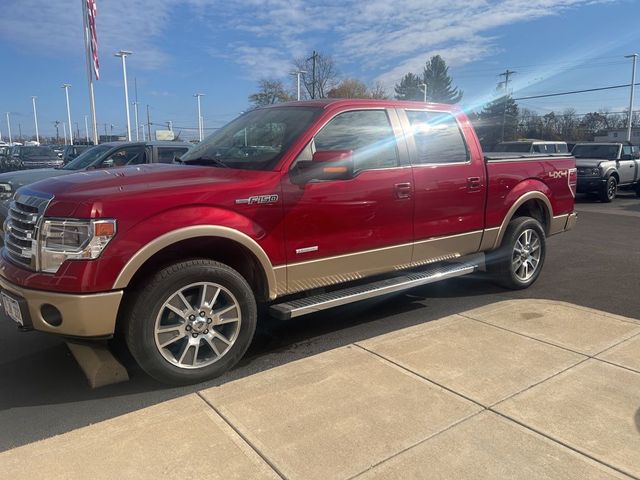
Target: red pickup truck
{"type": "Point", "coordinates": [292, 208]}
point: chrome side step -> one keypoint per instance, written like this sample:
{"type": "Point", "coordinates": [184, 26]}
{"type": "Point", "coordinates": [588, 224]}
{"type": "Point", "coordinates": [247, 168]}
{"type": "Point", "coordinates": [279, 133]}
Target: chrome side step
{"type": "Point", "coordinates": [403, 281]}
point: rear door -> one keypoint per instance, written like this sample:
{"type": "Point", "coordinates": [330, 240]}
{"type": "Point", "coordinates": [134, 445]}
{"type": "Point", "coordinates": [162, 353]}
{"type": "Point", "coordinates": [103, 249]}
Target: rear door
{"type": "Point", "coordinates": [166, 154]}
{"type": "Point", "coordinates": [339, 230]}
{"type": "Point", "coordinates": [449, 182]}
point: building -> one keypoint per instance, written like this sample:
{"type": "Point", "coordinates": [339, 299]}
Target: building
{"type": "Point", "coordinates": [618, 135]}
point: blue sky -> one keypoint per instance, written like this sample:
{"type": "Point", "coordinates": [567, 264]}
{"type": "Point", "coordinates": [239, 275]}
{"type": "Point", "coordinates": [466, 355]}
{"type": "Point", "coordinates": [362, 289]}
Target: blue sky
{"type": "Point", "coordinates": [222, 48]}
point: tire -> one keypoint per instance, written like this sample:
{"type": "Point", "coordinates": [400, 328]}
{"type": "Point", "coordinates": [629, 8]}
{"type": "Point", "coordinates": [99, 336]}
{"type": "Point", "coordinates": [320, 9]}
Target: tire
{"type": "Point", "coordinates": [180, 341]}
{"type": "Point", "coordinates": [609, 190]}
{"type": "Point", "coordinates": [502, 263]}
{"type": "Point", "coordinates": [638, 189]}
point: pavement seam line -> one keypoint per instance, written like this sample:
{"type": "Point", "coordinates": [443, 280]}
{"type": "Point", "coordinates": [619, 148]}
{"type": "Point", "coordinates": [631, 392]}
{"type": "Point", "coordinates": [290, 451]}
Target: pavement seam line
{"type": "Point", "coordinates": [546, 342]}
{"type": "Point", "coordinates": [560, 442]}
{"type": "Point", "coordinates": [244, 438]}
{"type": "Point", "coordinates": [619, 343]}
{"type": "Point", "coordinates": [632, 370]}
{"type": "Point", "coordinates": [433, 435]}
{"type": "Point", "coordinates": [422, 377]}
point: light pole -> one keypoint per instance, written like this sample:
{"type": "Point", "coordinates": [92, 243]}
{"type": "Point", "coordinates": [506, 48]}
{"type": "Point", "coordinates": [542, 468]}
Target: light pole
{"type": "Point", "coordinates": [198, 95]}
{"type": "Point", "coordinates": [633, 87]}
{"type": "Point", "coordinates": [35, 118]}
{"type": "Point", "coordinates": [144, 136]}
{"type": "Point", "coordinates": [86, 129]}
{"type": "Point", "coordinates": [9, 129]}
{"type": "Point", "coordinates": [111, 136]}
{"type": "Point", "coordinates": [123, 54]}
{"type": "Point", "coordinates": [423, 87]}
{"type": "Point", "coordinates": [66, 92]}
{"type": "Point", "coordinates": [135, 112]}
{"type": "Point", "coordinates": [64, 130]}
{"type": "Point", "coordinates": [297, 74]}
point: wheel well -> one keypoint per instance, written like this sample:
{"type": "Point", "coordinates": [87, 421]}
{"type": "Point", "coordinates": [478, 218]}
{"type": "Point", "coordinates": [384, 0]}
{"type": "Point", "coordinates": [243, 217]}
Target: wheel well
{"type": "Point", "coordinates": [616, 176]}
{"type": "Point", "coordinates": [222, 250]}
{"type": "Point", "coordinates": [535, 209]}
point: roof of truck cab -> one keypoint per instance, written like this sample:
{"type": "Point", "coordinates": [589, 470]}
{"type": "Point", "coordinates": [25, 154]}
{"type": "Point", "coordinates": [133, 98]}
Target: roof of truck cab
{"type": "Point", "coordinates": [327, 103]}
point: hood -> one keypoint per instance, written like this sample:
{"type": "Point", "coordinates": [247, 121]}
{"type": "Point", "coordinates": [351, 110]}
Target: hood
{"type": "Point", "coordinates": [591, 162]}
{"type": "Point", "coordinates": [26, 177]}
{"type": "Point", "coordinates": [106, 193]}
{"type": "Point", "coordinates": [41, 158]}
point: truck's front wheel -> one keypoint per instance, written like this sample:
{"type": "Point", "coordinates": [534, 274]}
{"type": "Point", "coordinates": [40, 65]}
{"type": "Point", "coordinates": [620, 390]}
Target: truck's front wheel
{"type": "Point", "coordinates": [191, 322]}
{"type": "Point", "coordinates": [518, 261]}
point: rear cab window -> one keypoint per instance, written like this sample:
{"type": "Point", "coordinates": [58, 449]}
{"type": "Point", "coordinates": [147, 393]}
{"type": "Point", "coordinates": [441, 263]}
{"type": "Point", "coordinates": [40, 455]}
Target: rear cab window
{"type": "Point", "coordinates": [438, 138]}
{"type": "Point", "coordinates": [167, 154]}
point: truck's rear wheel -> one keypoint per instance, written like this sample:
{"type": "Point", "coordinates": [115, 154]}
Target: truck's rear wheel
{"type": "Point", "coordinates": [518, 262]}
{"type": "Point", "coordinates": [609, 190]}
{"type": "Point", "coordinates": [191, 322]}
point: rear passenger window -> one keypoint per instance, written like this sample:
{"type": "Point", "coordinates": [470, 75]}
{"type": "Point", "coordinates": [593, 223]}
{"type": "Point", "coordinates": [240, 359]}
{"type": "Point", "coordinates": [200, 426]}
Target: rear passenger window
{"type": "Point", "coordinates": [367, 133]}
{"type": "Point", "coordinates": [562, 148]}
{"type": "Point", "coordinates": [438, 138]}
{"type": "Point", "coordinates": [166, 154]}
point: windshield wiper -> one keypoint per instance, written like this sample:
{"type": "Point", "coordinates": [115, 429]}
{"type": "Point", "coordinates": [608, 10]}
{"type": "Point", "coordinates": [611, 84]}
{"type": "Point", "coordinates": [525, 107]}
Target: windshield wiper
{"type": "Point", "coordinates": [213, 160]}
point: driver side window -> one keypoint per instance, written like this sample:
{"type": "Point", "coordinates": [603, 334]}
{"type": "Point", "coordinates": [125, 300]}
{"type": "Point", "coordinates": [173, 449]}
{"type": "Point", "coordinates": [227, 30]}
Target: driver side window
{"type": "Point", "coordinates": [122, 157]}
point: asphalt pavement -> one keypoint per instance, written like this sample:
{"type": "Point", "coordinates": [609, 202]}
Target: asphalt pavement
{"type": "Point", "coordinates": [596, 265]}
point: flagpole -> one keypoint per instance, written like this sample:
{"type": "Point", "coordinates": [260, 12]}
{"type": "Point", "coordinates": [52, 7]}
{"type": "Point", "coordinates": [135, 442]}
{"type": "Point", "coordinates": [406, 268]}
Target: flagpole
{"type": "Point", "coordinates": [87, 50]}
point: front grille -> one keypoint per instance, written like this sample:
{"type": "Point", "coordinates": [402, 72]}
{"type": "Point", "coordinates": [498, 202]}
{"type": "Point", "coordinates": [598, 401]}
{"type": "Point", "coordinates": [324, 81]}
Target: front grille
{"type": "Point", "coordinates": [21, 234]}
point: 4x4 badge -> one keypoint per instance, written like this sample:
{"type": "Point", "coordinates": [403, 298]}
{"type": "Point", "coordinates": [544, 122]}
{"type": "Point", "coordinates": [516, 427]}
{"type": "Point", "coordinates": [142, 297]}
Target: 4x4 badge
{"type": "Point", "coordinates": [258, 199]}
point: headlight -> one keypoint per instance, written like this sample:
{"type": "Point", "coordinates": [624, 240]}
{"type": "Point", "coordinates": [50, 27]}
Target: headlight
{"type": "Point", "coordinates": [6, 192]}
{"type": "Point", "coordinates": [62, 240]}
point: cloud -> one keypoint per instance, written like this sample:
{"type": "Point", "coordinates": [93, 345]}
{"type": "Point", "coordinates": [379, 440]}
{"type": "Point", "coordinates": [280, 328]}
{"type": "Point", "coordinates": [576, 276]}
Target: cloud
{"type": "Point", "coordinates": [377, 40]}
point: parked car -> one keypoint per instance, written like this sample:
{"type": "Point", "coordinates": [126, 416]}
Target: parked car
{"type": "Point", "coordinates": [105, 155]}
{"type": "Point", "coordinates": [72, 151]}
{"type": "Point", "coordinates": [34, 157]}
{"type": "Point", "coordinates": [532, 146]}
{"type": "Point", "coordinates": [4, 157]}
{"type": "Point", "coordinates": [603, 167]}
{"type": "Point", "coordinates": [279, 203]}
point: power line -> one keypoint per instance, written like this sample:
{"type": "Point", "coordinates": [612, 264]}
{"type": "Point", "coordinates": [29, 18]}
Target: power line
{"type": "Point", "coordinates": [572, 92]}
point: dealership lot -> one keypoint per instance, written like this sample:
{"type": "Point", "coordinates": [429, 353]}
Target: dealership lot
{"type": "Point", "coordinates": [595, 266]}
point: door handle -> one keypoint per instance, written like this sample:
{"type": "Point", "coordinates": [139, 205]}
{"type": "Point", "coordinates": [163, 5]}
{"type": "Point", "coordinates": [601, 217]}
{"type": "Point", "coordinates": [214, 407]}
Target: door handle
{"type": "Point", "coordinates": [403, 190]}
{"type": "Point", "coordinates": [474, 183]}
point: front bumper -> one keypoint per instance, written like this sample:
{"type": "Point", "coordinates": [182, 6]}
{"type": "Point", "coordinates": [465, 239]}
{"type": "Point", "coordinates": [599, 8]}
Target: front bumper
{"type": "Point", "coordinates": [79, 315]}
{"type": "Point", "coordinates": [590, 184]}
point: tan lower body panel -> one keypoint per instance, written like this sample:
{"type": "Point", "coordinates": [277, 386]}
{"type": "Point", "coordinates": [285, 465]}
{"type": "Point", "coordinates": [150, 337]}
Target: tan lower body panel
{"type": "Point", "coordinates": [344, 268]}
{"type": "Point", "coordinates": [90, 315]}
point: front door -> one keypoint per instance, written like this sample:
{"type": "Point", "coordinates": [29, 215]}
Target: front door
{"type": "Point", "coordinates": [627, 165]}
{"type": "Point", "coordinates": [340, 230]}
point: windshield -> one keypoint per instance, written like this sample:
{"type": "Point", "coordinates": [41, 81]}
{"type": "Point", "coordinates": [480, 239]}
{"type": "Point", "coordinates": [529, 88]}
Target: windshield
{"type": "Point", "coordinates": [513, 147]}
{"type": "Point", "coordinates": [253, 141]}
{"type": "Point", "coordinates": [87, 158]}
{"type": "Point", "coordinates": [36, 151]}
{"type": "Point", "coordinates": [610, 152]}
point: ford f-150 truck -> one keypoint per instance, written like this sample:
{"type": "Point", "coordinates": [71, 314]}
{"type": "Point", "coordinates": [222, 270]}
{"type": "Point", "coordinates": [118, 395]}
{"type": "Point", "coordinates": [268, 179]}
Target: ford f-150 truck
{"type": "Point", "coordinates": [289, 209]}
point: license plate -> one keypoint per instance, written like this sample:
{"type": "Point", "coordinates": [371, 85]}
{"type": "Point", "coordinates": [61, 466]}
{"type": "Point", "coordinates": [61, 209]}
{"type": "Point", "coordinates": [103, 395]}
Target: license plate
{"type": "Point", "coordinates": [12, 308]}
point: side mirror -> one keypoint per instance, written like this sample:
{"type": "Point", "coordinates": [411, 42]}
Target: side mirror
{"type": "Point", "coordinates": [327, 165]}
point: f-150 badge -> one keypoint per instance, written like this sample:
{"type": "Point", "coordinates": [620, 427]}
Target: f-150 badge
{"type": "Point", "coordinates": [258, 200]}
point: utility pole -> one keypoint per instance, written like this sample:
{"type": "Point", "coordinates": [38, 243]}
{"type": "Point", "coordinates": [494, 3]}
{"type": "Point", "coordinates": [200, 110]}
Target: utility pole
{"type": "Point", "coordinates": [35, 118]}
{"type": "Point", "coordinates": [105, 132]}
{"type": "Point", "coordinates": [506, 76]}
{"type": "Point", "coordinates": [423, 86]}
{"type": "Point", "coordinates": [20, 133]}
{"type": "Point", "coordinates": [135, 109]}
{"type": "Point", "coordinates": [123, 54]}
{"type": "Point", "coordinates": [313, 58]}
{"type": "Point", "coordinates": [9, 128]}
{"type": "Point", "coordinates": [66, 87]}
{"type": "Point", "coordinates": [86, 130]}
{"type": "Point", "coordinates": [57, 124]}
{"type": "Point", "coordinates": [64, 129]}
{"type": "Point", "coordinates": [633, 87]}
{"type": "Point", "coordinates": [200, 133]}
{"type": "Point", "coordinates": [148, 122]}
{"type": "Point", "coordinates": [144, 138]}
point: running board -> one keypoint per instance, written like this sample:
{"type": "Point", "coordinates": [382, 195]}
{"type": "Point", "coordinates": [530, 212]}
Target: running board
{"type": "Point", "coordinates": [403, 281]}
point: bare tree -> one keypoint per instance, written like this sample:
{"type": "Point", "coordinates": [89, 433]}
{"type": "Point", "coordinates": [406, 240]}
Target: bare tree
{"type": "Point", "coordinates": [270, 91]}
{"type": "Point", "coordinates": [325, 74]}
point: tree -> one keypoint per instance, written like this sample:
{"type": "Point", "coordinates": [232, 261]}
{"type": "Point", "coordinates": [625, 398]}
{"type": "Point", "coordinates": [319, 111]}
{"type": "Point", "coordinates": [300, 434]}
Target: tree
{"type": "Point", "coordinates": [270, 91]}
{"type": "Point", "coordinates": [436, 76]}
{"type": "Point", "coordinates": [325, 74]}
{"type": "Point", "coordinates": [501, 113]}
{"type": "Point", "coordinates": [409, 88]}
{"type": "Point", "coordinates": [353, 88]}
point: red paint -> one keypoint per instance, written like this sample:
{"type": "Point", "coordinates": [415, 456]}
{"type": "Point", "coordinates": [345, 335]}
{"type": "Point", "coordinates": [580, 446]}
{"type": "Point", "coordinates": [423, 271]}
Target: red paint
{"type": "Point", "coordinates": [374, 209]}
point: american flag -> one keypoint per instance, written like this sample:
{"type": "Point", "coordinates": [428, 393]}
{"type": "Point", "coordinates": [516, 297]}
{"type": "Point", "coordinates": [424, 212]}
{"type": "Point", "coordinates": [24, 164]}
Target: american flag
{"type": "Point", "coordinates": [93, 37]}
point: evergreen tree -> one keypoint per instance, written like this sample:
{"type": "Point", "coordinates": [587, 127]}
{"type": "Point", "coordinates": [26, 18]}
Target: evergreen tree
{"type": "Point", "coordinates": [503, 110]}
{"type": "Point", "coordinates": [436, 76]}
{"type": "Point", "coordinates": [409, 88]}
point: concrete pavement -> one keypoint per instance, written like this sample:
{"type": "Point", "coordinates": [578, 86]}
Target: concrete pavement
{"type": "Point", "coordinates": [516, 389]}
